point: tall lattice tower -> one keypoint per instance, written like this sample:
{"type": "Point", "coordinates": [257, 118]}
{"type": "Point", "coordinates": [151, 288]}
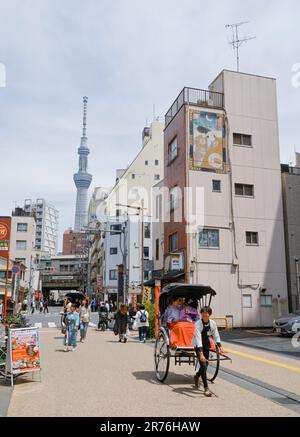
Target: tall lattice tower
{"type": "Point", "coordinates": [82, 178]}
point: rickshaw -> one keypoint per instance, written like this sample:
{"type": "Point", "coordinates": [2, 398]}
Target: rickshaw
{"type": "Point", "coordinates": [182, 353]}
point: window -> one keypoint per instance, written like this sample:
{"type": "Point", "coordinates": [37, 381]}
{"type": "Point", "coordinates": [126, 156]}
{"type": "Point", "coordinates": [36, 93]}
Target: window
{"type": "Point", "coordinates": [156, 162]}
{"type": "Point", "coordinates": [158, 207]}
{"type": "Point", "coordinates": [146, 252]}
{"type": "Point", "coordinates": [216, 186]}
{"type": "Point", "coordinates": [242, 140]}
{"type": "Point", "coordinates": [209, 238]}
{"type": "Point", "coordinates": [22, 227]}
{"type": "Point", "coordinates": [63, 268]}
{"type": "Point", "coordinates": [157, 249]}
{"type": "Point", "coordinates": [21, 244]}
{"type": "Point", "coordinates": [172, 150]}
{"type": "Point", "coordinates": [146, 162]}
{"type": "Point", "coordinates": [115, 228]}
{"type": "Point", "coordinates": [244, 190]}
{"type": "Point", "coordinates": [252, 238]}
{"type": "Point", "coordinates": [173, 199]}
{"type": "Point", "coordinates": [247, 301]}
{"type": "Point", "coordinates": [147, 233]}
{"type": "Point", "coordinates": [146, 275]}
{"type": "Point", "coordinates": [157, 177]}
{"type": "Point", "coordinates": [117, 213]}
{"type": "Point", "coordinates": [113, 275]}
{"type": "Point", "coordinates": [3, 274]}
{"type": "Point", "coordinates": [266, 300]}
{"type": "Point", "coordinates": [173, 242]}
{"type": "Point", "coordinates": [113, 251]}
{"type": "Point", "coordinates": [133, 176]}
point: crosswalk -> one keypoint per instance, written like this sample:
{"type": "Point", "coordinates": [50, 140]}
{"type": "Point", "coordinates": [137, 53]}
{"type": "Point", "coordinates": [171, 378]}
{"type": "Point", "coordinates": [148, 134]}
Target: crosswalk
{"type": "Point", "coordinates": [56, 325]}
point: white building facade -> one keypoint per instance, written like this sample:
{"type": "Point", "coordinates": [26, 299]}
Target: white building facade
{"type": "Point", "coordinates": [47, 217]}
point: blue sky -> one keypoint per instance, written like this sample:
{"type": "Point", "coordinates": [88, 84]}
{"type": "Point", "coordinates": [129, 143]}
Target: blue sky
{"type": "Point", "coordinates": [125, 55]}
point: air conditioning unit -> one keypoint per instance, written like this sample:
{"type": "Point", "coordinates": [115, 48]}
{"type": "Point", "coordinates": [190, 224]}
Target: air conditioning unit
{"type": "Point", "coordinates": [176, 262]}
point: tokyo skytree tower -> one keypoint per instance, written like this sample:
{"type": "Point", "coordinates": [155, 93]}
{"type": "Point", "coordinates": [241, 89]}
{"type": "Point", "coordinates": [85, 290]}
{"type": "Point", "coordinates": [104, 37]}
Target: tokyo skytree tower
{"type": "Point", "coordinates": [82, 178]}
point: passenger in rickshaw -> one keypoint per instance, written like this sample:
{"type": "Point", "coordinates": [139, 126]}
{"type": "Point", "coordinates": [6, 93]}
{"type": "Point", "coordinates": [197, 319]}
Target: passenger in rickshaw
{"type": "Point", "coordinates": [180, 321]}
{"type": "Point", "coordinates": [172, 313]}
{"type": "Point", "coordinates": [204, 328]}
{"type": "Point", "coordinates": [189, 312]}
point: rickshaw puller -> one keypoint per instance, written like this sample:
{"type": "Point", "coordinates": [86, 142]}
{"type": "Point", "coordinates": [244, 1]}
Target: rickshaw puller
{"type": "Point", "coordinates": [201, 341]}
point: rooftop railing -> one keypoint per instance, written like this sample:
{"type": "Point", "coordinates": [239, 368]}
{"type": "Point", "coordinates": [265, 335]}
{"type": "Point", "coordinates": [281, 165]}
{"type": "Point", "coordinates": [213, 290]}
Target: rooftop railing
{"type": "Point", "coordinates": [196, 97]}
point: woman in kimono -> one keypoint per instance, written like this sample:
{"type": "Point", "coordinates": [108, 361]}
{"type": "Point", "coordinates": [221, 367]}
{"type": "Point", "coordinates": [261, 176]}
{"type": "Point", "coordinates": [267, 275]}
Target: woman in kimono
{"type": "Point", "coordinates": [72, 323]}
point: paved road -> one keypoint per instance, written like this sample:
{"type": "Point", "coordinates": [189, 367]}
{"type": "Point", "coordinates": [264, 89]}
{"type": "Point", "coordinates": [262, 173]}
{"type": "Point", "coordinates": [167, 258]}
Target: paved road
{"type": "Point", "coordinates": [106, 378]}
{"type": "Point", "coordinates": [53, 318]}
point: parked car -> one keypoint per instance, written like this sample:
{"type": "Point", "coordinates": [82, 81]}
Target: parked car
{"type": "Point", "coordinates": [287, 325]}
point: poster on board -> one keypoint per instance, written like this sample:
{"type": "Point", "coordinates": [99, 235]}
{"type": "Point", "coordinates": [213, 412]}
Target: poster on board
{"type": "Point", "coordinates": [23, 351]}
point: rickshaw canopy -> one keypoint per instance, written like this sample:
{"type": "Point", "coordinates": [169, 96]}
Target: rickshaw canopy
{"type": "Point", "coordinates": [202, 293]}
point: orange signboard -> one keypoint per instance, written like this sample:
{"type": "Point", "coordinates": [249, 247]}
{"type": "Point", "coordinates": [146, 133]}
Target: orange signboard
{"type": "Point", "coordinates": [24, 350]}
{"type": "Point", "coordinates": [5, 225]}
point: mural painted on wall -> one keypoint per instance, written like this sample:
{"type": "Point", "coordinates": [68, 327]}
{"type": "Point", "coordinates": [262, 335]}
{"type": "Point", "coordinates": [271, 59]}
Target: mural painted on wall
{"type": "Point", "coordinates": [207, 133]}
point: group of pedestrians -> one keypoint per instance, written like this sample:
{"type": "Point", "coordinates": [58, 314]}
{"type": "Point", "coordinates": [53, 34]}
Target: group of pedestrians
{"type": "Point", "coordinates": [76, 318]}
{"type": "Point", "coordinates": [40, 306]}
{"type": "Point", "coordinates": [141, 322]}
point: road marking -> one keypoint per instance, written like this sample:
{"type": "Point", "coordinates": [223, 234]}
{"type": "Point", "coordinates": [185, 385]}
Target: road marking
{"type": "Point", "coordinates": [51, 325]}
{"type": "Point", "coordinates": [92, 325]}
{"type": "Point", "coordinates": [273, 334]}
{"type": "Point", "coordinates": [38, 325]}
{"type": "Point", "coordinates": [264, 360]}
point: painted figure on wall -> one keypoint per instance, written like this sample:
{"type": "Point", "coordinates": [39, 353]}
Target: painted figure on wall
{"type": "Point", "coordinates": [207, 139]}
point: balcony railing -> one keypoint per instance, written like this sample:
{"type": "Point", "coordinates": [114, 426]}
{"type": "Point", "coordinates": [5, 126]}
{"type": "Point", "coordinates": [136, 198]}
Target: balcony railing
{"type": "Point", "coordinates": [196, 97]}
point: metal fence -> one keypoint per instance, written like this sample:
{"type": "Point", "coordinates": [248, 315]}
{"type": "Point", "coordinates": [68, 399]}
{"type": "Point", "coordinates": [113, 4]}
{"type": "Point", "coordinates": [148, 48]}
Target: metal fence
{"type": "Point", "coordinates": [197, 97]}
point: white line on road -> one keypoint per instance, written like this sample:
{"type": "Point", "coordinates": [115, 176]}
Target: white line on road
{"type": "Point", "coordinates": [38, 325]}
{"type": "Point", "coordinates": [51, 325]}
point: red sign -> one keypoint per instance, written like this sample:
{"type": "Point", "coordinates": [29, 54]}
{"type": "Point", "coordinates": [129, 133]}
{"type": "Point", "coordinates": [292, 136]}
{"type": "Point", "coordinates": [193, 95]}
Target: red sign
{"type": "Point", "coordinates": [5, 225]}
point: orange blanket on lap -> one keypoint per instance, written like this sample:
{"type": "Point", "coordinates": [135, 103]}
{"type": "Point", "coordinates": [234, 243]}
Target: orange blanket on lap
{"type": "Point", "coordinates": [181, 334]}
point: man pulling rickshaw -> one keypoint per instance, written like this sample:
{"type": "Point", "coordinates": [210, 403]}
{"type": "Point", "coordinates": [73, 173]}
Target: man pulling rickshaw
{"type": "Point", "coordinates": [186, 337]}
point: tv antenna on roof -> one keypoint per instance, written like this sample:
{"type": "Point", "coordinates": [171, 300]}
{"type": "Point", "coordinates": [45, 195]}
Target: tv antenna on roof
{"type": "Point", "coordinates": [236, 41]}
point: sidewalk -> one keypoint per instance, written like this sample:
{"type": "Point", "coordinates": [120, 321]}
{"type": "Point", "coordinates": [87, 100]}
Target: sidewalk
{"type": "Point", "coordinates": [106, 378]}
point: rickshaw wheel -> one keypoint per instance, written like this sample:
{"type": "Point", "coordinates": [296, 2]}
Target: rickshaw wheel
{"type": "Point", "coordinates": [161, 357]}
{"type": "Point", "coordinates": [213, 364]}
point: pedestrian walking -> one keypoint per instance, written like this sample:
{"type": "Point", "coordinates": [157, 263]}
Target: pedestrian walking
{"type": "Point", "coordinates": [41, 306]}
{"type": "Point", "coordinates": [32, 307]}
{"type": "Point", "coordinates": [84, 317]}
{"type": "Point", "coordinates": [72, 325]}
{"type": "Point", "coordinates": [46, 306]}
{"type": "Point", "coordinates": [142, 323]}
{"type": "Point", "coordinates": [121, 323]}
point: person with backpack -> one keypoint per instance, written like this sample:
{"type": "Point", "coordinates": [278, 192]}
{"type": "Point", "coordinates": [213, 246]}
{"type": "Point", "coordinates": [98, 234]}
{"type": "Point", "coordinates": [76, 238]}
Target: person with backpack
{"type": "Point", "coordinates": [142, 323]}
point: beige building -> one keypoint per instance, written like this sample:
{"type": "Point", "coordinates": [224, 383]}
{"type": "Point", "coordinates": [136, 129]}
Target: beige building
{"type": "Point", "coordinates": [224, 142]}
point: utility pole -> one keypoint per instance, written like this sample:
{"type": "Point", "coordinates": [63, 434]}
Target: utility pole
{"type": "Point", "coordinates": [142, 248]}
{"type": "Point", "coordinates": [298, 283]}
{"type": "Point", "coordinates": [236, 42]}
{"type": "Point", "coordinates": [140, 209]}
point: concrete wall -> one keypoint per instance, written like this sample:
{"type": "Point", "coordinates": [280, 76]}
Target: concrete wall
{"type": "Point", "coordinates": [291, 195]}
